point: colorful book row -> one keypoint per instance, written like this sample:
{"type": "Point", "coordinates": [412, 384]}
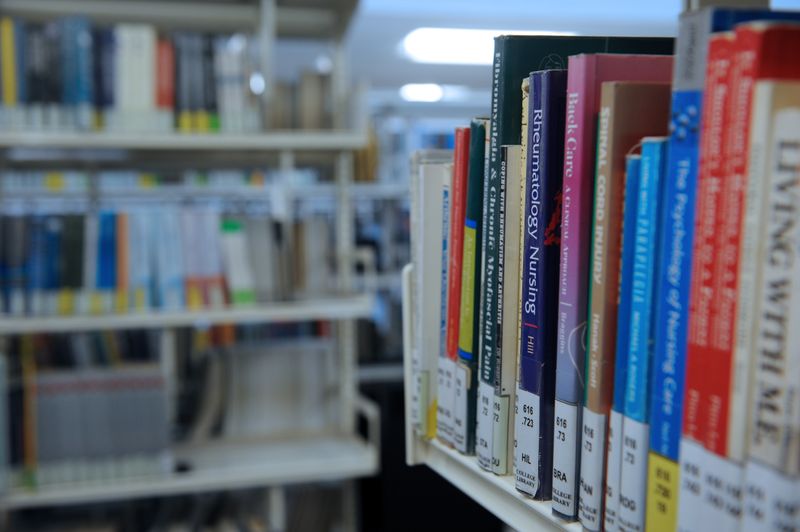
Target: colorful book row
{"type": "Point", "coordinates": [577, 325]}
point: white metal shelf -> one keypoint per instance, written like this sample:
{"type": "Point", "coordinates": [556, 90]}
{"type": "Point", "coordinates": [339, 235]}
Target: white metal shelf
{"type": "Point", "coordinates": [289, 140]}
{"type": "Point", "coordinates": [359, 191]}
{"type": "Point", "coordinates": [222, 466]}
{"type": "Point", "coordinates": [329, 308]}
{"type": "Point", "coordinates": [495, 493]}
{"type": "Point", "coordinates": [324, 20]}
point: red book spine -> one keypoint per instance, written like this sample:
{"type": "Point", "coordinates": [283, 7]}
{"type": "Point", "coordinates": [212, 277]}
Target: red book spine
{"type": "Point", "coordinates": [165, 75]}
{"type": "Point", "coordinates": [457, 213]}
{"type": "Point", "coordinates": [699, 382]}
{"type": "Point", "coordinates": [756, 54]}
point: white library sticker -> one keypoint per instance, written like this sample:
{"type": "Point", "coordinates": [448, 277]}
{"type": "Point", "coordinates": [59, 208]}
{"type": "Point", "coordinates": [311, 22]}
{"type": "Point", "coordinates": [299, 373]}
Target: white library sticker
{"type": "Point", "coordinates": [721, 486]}
{"type": "Point", "coordinates": [633, 475]}
{"type": "Point", "coordinates": [590, 505]}
{"type": "Point", "coordinates": [690, 505]}
{"type": "Point", "coordinates": [483, 444]}
{"type": "Point", "coordinates": [445, 400]}
{"type": "Point", "coordinates": [565, 445]}
{"type": "Point", "coordinates": [500, 434]}
{"type": "Point", "coordinates": [526, 442]}
{"type": "Point", "coordinates": [613, 469]}
{"type": "Point", "coordinates": [460, 408]}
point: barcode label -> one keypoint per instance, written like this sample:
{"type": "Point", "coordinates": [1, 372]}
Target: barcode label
{"type": "Point", "coordinates": [614, 463]}
{"type": "Point", "coordinates": [526, 442]}
{"type": "Point", "coordinates": [460, 408]}
{"type": "Point", "coordinates": [633, 475]}
{"type": "Point", "coordinates": [565, 447]}
{"type": "Point", "coordinates": [590, 506]}
{"type": "Point", "coordinates": [483, 445]}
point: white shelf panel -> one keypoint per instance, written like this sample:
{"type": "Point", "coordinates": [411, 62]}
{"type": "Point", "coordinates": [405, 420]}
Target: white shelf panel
{"type": "Point", "coordinates": [495, 493]}
{"type": "Point", "coordinates": [311, 141]}
{"type": "Point", "coordinates": [333, 308]}
{"type": "Point", "coordinates": [223, 466]}
{"type": "Point", "coordinates": [357, 191]}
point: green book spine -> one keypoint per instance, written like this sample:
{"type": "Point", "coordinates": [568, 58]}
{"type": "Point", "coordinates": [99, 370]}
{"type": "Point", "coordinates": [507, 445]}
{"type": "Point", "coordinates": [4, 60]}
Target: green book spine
{"type": "Point", "coordinates": [468, 331]}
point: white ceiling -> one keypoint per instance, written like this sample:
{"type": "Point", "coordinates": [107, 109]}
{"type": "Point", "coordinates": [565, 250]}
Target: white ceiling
{"type": "Point", "coordinates": [379, 26]}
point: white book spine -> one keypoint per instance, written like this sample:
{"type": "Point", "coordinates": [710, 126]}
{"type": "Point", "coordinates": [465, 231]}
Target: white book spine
{"type": "Point", "coordinates": [434, 181]}
{"type": "Point", "coordinates": [503, 440]}
{"type": "Point", "coordinates": [445, 398]}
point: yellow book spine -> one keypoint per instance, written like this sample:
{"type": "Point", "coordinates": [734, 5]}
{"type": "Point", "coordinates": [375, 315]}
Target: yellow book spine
{"type": "Point", "coordinates": [431, 428]}
{"type": "Point", "coordinates": [662, 494]}
{"type": "Point", "coordinates": [185, 122]}
{"type": "Point", "coordinates": [8, 54]}
{"type": "Point", "coordinates": [202, 123]}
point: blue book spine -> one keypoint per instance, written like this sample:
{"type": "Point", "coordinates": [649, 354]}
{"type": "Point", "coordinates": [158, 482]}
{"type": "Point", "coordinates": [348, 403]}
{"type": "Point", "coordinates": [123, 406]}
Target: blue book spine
{"type": "Point", "coordinates": [37, 278]}
{"type": "Point", "coordinates": [644, 273]}
{"type": "Point", "coordinates": [539, 288]}
{"type": "Point", "coordinates": [632, 175]}
{"type": "Point", "coordinates": [673, 284]}
{"type": "Point", "coordinates": [107, 253]}
{"type": "Point", "coordinates": [83, 41]}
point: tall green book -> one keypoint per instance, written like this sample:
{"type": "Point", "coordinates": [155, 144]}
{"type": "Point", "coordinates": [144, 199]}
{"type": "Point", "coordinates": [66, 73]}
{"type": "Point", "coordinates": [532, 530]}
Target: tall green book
{"type": "Point", "coordinates": [467, 368]}
{"type": "Point", "coordinates": [515, 57]}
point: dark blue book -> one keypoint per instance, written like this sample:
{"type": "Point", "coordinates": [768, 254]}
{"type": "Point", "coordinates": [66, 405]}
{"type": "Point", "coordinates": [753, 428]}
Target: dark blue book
{"type": "Point", "coordinates": [53, 233]}
{"type": "Point", "coordinates": [37, 265]}
{"type": "Point", "coordinates": [533, 452]}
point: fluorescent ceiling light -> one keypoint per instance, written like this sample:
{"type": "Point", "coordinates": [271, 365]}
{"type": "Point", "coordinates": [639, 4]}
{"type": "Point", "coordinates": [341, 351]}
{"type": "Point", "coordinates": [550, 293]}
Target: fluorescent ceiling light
{"type": "Point", "coordinates": [421, 92]}
{"type": "Point", "coordinates": [458, 46]}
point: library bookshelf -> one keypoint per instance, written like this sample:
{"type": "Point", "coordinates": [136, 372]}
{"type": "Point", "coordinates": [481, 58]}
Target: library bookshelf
{"type": "Point", "coordinates": [227, 464]}
{"type": "Point", "coordinates": [495, 493]}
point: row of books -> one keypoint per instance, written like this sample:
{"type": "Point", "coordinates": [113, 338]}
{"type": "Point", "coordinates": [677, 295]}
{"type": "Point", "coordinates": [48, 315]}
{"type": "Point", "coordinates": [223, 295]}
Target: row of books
{"type": "Point", "coordinates": [70, 75]}
{"type": "Point", "coordinates": [168, 257]}
{"type": "Point", "coordinates": [82, 408]}
{"type": "Point", "coordinates": [604, 276]}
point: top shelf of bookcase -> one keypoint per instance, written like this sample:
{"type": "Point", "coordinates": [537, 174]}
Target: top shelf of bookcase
{"type": "Point", "coordinates": [309, 19]}
{"type": "Point", "coordinates": [273, 141]}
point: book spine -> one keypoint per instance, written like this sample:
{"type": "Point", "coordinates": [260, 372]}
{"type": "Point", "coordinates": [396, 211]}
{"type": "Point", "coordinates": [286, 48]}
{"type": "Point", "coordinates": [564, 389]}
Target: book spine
{"type": "Point", "coordinates": [539, 298]}
{"type": "Point", "coordinates": [508, 308]}
{"type": "Point", "coordinates": [493, 203]}
{"type": "Point", "coordinates": [774, 438]}
{"type": "Point", "coordinates": [601, 327]}
{"type": "Point", "coordinates": [165, 83]}
{"type": "Point", "coordinates": [464, 417]}
{"type": "Point", "coordinates": [635, 426]}
{"type": "Point", "coordinates": [444, 389]}
{"type": "Point", "coordinates": [701, 296]}
{"type": "Point", "coordinates": [698, 388]}
{"type": "Point", "coordinates": [209, 87]}
{"type": "Point", "coordinates": [573, 289]}
{"type": "Point", "coordinates": [670, 349]}
{"type": "Point", "coordinates": [447, 364]}
{"type": "Point", "coordinates": [8, 66]}
{"type": "Point", "coordinates": [628, 245]}
{"type": "Point", "coordinates": [763, 483]}
{"type": "Point", "coordinates": [84, 79]}
{"type": "Point", "coordinates": [773, 470]}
